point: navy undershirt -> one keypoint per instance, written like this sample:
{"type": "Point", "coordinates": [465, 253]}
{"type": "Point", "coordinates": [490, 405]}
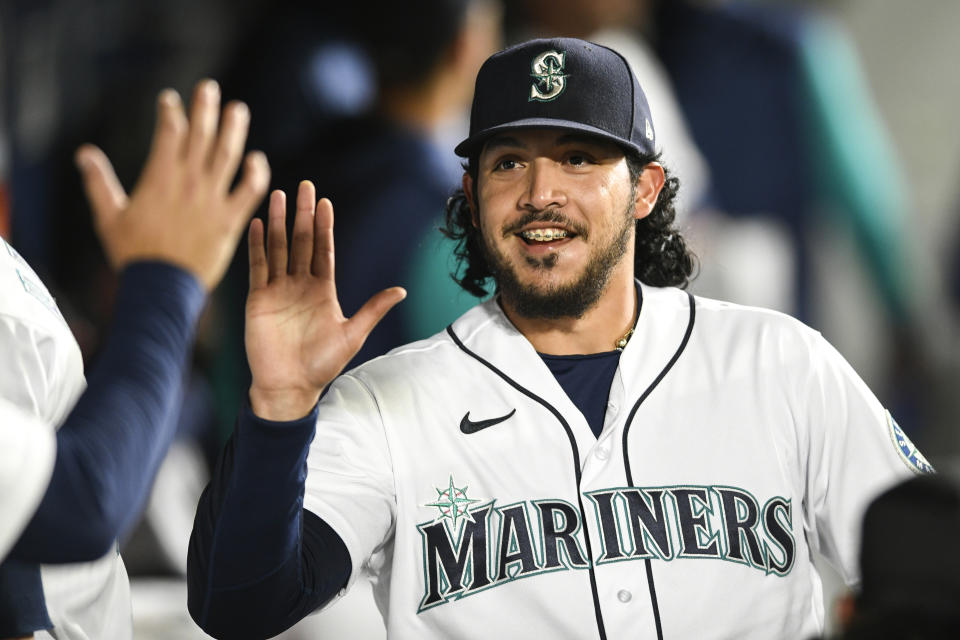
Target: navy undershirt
{"type": "Point", "coordinates": [586, 379]}
{"type": "Point", "coordinates": [111, 444]}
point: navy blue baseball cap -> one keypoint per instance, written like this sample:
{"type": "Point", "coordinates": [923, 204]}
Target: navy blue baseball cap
{"type": "Point", "coordinates": [562, 83]}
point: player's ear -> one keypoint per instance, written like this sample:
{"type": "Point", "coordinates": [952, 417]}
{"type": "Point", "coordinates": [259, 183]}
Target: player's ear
{"type": "Point", "coordinates": [649, 183]}
{"type": "Point", "coordinates": [468, 186]}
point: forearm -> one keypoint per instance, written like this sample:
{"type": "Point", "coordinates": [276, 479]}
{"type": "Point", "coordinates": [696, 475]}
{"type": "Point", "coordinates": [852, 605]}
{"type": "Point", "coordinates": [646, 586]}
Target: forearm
{"type": "Point", "coordinates": [258, 562]}
{"type": "Point", "coordinates": [110, 446]}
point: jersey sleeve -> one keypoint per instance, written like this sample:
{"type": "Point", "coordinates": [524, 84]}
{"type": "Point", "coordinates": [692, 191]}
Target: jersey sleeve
{"type": "Point", "coordinates": [855, 451]}
{"type": "Point", "coordinates": [27, 451]}
{"type": "Point", "coordinates": [36, 375]}
{"type": "Point", "coordinates": [349, 471]}
{"type": "Point", "coordinates": [30, 377]}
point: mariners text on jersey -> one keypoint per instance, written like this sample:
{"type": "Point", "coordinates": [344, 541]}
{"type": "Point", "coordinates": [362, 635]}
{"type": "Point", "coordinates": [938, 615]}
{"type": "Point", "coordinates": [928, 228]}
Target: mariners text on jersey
{"type": "Point", "coordinates": [474, 549]}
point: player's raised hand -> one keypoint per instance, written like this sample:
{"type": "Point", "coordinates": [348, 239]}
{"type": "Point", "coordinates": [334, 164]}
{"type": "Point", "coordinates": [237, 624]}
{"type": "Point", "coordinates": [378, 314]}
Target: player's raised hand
{"type": "Point", "coordinates": [297, 337]}
{"type": "Point", "coordinates": [182, 210]}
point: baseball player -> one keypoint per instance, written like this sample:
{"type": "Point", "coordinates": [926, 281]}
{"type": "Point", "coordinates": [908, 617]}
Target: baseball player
{"type": "Point", "coordinates": [67, 494]}
{"type": "Point", "coordinates": [590, 453]}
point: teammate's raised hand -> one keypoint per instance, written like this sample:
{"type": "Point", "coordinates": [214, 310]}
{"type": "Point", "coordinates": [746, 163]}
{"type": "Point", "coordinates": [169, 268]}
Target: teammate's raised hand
{"type": "Point", "coordinates": [182, 210]}
{"type": "Point", "coordinates": [297, 337]}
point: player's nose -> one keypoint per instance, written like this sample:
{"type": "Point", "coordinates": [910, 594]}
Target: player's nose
{"type": "Point", "coordinates": [543, 189]}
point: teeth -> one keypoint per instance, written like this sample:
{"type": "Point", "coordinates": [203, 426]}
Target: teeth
{"type": "Point", "coordinates": [544, 235]}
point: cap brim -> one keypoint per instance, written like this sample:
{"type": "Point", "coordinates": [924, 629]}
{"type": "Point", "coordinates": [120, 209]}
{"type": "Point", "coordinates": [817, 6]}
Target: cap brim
{"type": "Point", "coordinates": [474, 143]}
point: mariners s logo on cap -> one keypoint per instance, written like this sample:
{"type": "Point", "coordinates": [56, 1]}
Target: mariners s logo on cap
{"type": "Point", "coordinates": [604, 97]}
{"type": "Point", "coordinates": [549, 79]}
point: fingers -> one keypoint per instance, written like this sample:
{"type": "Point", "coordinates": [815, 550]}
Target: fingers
{"type": "Point", "coordinates": [277, 235]}
{"type": "Point", "coordinates": [323, 255]}
{"type": "Point", "coordinates": [257, 257]}
{"type": "Point", "coordinates": [229, 147]}
{"type": "Point", "coordinates": [196, 140]}
{"type": "Point", "coordinates": [204, 114]}
{"type": "Point", "coordinates": [253, 185]}
{"type": "Point", "coordinates": [363, 321]}
{"type": "Point", "coordinates": [168, 136]}
{"type": "Point", "coordinates": [106, 195]}
{"type": "Point", "coordinates": [301, 250]}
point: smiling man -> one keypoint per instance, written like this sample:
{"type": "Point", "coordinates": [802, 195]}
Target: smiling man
{"type": "Point", "coordinates": [590, 453]}
{"type": "Point", "coordinates": [558, 223]}
{"type": "Point", "coordinates": [568, 190]}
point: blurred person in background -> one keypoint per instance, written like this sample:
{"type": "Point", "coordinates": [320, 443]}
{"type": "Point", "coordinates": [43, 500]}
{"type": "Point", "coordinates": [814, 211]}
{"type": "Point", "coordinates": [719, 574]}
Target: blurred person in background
{"type": "Point", "coordinates": [68, 494]}
{"type": "Point", "coordinates": [371, 100]}
{"type": "Point", "coordinates": [777, 102]}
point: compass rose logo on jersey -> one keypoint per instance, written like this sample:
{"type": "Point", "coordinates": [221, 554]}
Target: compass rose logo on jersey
{"type": "Point", "coordinates": [452, 503]}
{"type": "Point", "coordinates": [549, 80]}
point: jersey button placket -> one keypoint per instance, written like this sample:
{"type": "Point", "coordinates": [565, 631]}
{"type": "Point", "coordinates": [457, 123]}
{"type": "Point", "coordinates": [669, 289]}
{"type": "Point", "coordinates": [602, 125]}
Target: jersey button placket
{"type": "Point", "coordinates": [624, 596]}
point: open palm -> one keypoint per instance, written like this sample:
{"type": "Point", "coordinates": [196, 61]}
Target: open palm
{"type": "Point", "coordinates": [297, 337]}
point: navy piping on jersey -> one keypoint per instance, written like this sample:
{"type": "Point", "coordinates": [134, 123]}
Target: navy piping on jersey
{"type": "Point", "coordinates": [626, 455]}
{"type": "Point", "coordinates": [576, 466]}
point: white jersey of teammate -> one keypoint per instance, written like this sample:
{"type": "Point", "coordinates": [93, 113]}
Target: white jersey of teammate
{"type": "Point", "coordinates": [27, 451]}
{"type": "Point", "coordinates": [40, 381]}
{"type": "Point", "coordinates": [474, 495]}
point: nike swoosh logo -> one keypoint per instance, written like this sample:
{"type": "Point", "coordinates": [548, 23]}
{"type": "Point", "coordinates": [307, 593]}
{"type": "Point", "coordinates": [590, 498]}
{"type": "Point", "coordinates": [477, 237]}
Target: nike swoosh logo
{"type": "Point", "coordinates": [468, 426]}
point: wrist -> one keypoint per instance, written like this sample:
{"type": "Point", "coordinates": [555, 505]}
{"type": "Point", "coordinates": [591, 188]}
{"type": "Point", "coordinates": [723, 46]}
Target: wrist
{"type": "Point", "coordinates": [282, 405]}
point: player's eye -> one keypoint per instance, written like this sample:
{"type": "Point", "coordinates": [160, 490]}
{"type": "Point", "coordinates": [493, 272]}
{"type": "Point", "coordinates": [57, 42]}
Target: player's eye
{"type": "Point", "coordinates": [578, 159]}
{"type": "Point", "coordinates": [505, 165]}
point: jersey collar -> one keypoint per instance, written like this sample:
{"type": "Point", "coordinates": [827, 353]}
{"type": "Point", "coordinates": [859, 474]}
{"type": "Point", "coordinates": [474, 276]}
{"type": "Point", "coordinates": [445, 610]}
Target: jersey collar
{"type": "Point", "coordinates": [662, 326]}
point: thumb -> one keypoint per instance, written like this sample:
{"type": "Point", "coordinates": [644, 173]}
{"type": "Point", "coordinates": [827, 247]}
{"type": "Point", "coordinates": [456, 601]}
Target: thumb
{"type": "Point", "coordinates": [104, 192]}
{"type": "Point", "coordinates": [363, 321]}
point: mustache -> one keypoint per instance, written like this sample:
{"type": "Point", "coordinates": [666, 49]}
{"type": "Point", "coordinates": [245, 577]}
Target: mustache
{"type": "Point", "coordinates": [551, 215]}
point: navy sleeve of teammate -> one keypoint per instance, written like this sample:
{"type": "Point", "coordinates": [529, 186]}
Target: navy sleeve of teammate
{"type": "Point", "coordinates": [23, 607]}
{"type": "Point", "coordinates": [111, 445]}
{"type": "Point", "coordinates": [258, 561]}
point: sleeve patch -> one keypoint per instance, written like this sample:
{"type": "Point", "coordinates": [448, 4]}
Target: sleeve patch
{"type": "Point", "coordinates": [908, 452]}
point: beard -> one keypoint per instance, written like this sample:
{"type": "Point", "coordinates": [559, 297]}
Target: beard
{"type": "Point", "coordinates": [570, 300]}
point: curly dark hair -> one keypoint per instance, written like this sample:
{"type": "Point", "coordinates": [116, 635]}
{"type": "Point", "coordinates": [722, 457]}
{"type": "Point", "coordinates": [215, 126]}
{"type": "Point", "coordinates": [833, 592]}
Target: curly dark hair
{"type": "Point", "coordinates": [661, 255]}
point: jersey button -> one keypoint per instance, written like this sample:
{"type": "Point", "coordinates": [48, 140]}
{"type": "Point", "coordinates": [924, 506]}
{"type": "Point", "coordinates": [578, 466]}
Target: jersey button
{"type": "Point", "coordinates": [603, 453]}
{"type": "Point", "coordinates": [624, 596]}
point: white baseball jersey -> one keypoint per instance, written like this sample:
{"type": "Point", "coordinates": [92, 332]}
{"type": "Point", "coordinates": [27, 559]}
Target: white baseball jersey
{"type": "Point", "coordinates": [475, 496]}
{"type": "Point", "coordinates": [27, 450]}
{"type": "Point", "coordinates": [42, 376]}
